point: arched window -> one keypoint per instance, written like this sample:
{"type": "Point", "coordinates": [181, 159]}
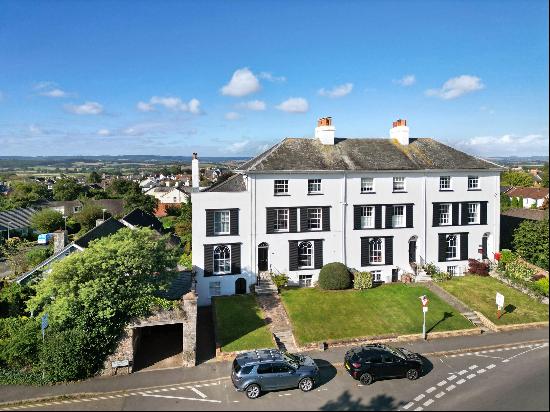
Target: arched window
{"type": "Point", "coordinates": [222, 260]}
{"type": "Point", "coordinates": [375, 250]}
{"type": "Point", "coordinates": [305, 252]}
{"type": "Point", "coordinates": [452, 247]}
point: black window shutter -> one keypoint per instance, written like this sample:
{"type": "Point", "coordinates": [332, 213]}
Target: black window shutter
{"type": "Point", "coordinates": [464, 214]}
{"type": "Point", "coordinates": [208, 260]}
{"type": "Point", "coordinates": [378, 217]}
{"type": "Point", "coordinates": [483, 213]}
{"type": "Point", "coordinates": [389, 216]}
{"type": "Point", "coordinates": [292, 255]}
{"type": "Point", "coordinates": [303, 219]}
{"type": "Point", "coordinates": [209, 223]}
{"type": "Point", "coordinates": [410, 216]}
{"type": "Point", "coordinates": [436, 214]}
{"type": "Point", "coordinates": [234, 221]}
{"type": "Point", "coordinates": [364, 251]}
{"type": "Point", "coordinates": [388, 246]}
{"type": "Point", "coordinates": [442, 247]}
{"type": "Point", "coordinates": [456, 211]}
{"type": "Point", "coordinates": [293, 220]}
{"type": "Point", "coordinates": [356, 217]}
{"type": "Point", "coordinates": [318, 253]}
{"type": "Point", "coordinates": [464, 246]}
{"type": "Point", "coordinates": [270, 220]}
{"type": "Point", "coordinates": [326, 218]}
{"type": "Point", "coordinates": [235, 258]}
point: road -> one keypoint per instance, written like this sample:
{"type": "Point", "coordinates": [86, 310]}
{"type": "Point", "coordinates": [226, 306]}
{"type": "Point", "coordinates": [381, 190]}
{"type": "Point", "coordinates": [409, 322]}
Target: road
{"type": "Point", "coordinates": [513, 376]}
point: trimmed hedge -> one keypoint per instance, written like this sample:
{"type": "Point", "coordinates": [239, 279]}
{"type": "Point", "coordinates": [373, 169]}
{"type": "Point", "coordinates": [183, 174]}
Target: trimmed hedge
{"type": "Point", "coordinates": [334, 276]}
{"type": "Point", "coordinates": [362, 280]}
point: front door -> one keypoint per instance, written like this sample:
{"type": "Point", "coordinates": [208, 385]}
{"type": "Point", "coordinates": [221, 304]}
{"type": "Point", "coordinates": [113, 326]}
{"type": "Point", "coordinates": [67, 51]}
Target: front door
{"type": "Point", "coordinates": [484, 247]}
{"type": "Point", "coordinates": [394, 275]}
{"type": "Point", "coordinates": [240, 286]}
{"type": "Point", "coordinates": [412, 251]}
{"type": "Point", "coordinates": [262, 258]}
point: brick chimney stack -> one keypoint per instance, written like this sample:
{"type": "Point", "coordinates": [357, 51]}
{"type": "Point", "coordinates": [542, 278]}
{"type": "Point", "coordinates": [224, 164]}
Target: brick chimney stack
{"type": "Point", "coordinates": [325, 131]}
{"type": "Point", "coordinates": [400, 132]}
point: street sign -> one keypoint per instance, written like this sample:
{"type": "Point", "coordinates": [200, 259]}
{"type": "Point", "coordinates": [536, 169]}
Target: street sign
{"type": "Point", "coordinates": [500, 300]}
{"type": "Point", "coordinates": [424, 309]}
{"type": "Point", "coordinates": [424, 299]}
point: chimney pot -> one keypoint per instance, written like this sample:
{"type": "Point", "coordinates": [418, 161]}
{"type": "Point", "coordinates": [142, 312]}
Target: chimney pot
{"type": "Point", "coordinates": [400, 131]}
{"type": "Point", "coordinates": [325, 130]}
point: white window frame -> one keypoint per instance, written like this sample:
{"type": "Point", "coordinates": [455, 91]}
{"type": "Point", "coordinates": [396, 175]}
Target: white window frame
{"type": "Point", "coordinates": [399, 181]}
{"type": "Point", "coordinates": [318, 218]}
{"type": "Point", "coordinates": [456, 247]}
{"type": "Point", "coordinates": [280, 187]}
{"type": "Point", "coordinates": [222, 260]}
{"type": "Point", "coordinates": [278, 220]}
{"type": "Point", "coordinates": [449, 214]}
{"type": "Point", "coordinates": [452, 270]}
{"type": "Point", "coordinates": [376, 242]}
{"type": "Point", "coordinates": [367, 185]}
{"type": "Point", "coordinates": [309, 245]}
{"type": "Point", "coordinates": [445, 183]}
{"type": "Point", "coordinates": [473, 213]}
{"type": "Point", "coordinates": [313, 186]}
{"type": "Point", "coordinates": [222, 218]}
{"type": "Point", "coordinates": [305, 281]}
{"type": "Point", "coordinates": [367, 222]}
{"type": "Point", "coordinates": [398, 220]}
{"type": "Point", "coordinates": [215, 288]}
{"type": "Point", "coordinates": [376, 275]}
{"type": "Point", "coordinates": [472, 179]}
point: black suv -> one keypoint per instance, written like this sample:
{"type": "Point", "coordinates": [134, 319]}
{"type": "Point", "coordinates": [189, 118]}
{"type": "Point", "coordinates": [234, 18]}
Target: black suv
{"type": "Point", "coordinates": [370, 362]}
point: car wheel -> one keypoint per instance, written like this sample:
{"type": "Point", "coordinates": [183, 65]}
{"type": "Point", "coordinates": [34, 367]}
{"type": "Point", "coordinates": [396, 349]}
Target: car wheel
{"type": "Point", "coordinates": [366, 379]}
{"type": "Point", "coordinates": [306, 384]}
{"type": "Point", "coordinates": [412, 374]}
{"type": "Point", "coordinates": [253, 391]}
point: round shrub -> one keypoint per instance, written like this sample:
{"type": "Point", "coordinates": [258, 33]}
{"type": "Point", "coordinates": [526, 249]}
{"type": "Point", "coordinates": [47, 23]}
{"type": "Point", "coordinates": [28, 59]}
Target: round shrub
{"type": "Point", "coordinates": [334, 276]}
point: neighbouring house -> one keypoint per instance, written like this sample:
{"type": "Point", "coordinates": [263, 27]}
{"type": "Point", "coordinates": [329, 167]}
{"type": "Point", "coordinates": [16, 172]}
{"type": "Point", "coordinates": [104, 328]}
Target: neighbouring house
{"type": "Point", "coordinates": [168, 196]}
{"type": "Point", "coordinates": [115, 207]}
{"type": "Point", "coordinates": [385, 205]}
{"type": "Point", "coordinates": [505, 189]}
{"type": "Point", "coordinates": [532, 196]}
{"type": "Point", "coordinates": [4, 188]}
{"type": "Point", "coordinates": [148, 183]}
{"type": "Point", "coordinates": [16, 221]}
{"type": "Point", "coordinates": [512, 218]}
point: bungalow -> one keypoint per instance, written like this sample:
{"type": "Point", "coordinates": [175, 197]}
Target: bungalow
{"type": "Point", "coordinates": [532, 196]}
{"type": "Point", "coordinates": [168, 196]}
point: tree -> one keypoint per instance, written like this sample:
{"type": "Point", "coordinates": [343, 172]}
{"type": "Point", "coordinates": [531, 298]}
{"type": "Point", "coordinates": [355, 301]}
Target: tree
{"type": "Point", "coordinates": [140, 200]}
{"type": "Point", "coordinates": [24, 194]}
{"type": "Point", "coordinates": [334, 276]}
{"type": "Point", "coordinates": [516, 178]}
{"type": "Point", "coordinates": [505, 202]}
{"type": "Point", "coordinates": [47, 220]}
{"type": "Point", "coordinates": [87, 217]}
{"type": "Point", "coordinates": [544, 176]}
{"type": "Point", "coordinates": [67, 188]}
{"type": "Point", "coordinates": [14, 250]}
{"type": "Point", "coordinates": [94, 177]}
{"type": "Point", "coordinates": [531, 242]}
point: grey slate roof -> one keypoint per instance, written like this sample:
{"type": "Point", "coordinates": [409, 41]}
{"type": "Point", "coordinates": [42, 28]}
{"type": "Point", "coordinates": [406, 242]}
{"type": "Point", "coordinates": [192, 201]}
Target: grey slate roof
{"type": "Point", "coordinates": [531, 214]}
{"type": "Point", "coordinates": [17, 218]}
{"type": "Point", "coordinates": [234, 183]}
{"type": "Point", "coordinates": [306, 154]}
{"type": "Point", "coordinates": [107, 228]}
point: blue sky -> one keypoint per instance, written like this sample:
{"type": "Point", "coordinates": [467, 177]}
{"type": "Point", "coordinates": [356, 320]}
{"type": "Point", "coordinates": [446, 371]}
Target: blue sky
{"type": "Point", "coordinates": [229, 78]}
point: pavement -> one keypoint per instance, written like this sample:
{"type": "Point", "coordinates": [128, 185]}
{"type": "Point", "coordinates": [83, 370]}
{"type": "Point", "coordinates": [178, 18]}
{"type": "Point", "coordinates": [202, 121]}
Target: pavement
{"type": "Point", "coordinates": [507, 370]}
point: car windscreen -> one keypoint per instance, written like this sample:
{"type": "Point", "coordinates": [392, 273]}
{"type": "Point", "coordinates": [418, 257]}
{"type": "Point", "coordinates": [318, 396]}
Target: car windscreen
{"type": "Point", "coordinates": [236, 366]}
{"type": "Point", "coordinates": [292, 359]}
{"type": "Point", "coordinates": [396, 352]}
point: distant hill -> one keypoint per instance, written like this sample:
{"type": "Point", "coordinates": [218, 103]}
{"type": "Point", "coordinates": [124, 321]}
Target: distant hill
{"type": "Point", "coordinates": [519, 160]}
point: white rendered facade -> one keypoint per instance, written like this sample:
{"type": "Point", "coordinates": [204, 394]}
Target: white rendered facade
{"type": "Point", "coordinates": [340, 194]}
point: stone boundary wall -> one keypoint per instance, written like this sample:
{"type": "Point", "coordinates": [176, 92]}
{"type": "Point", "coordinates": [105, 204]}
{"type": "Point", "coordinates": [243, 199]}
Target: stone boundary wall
{"type": "Point", "coordinates": [519, 288]}
{"type": "Point", "coordinates": [503, 328]}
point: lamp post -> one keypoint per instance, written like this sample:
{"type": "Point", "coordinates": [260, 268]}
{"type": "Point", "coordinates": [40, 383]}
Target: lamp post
{"type": "Point", "coordinates": [104, 214]}
{"type": "Point", "coordinates": [65, 219]}
{"type": "Point", "coordinates": [9, 223]}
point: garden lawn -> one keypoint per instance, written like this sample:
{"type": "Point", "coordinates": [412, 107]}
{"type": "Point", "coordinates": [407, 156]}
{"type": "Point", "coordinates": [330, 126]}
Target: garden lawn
{"type": "Point", "coordinates": [479, 293]}
{"type": "Point", "coordinates": [240, 324]}
{"type": "Point", "coordinates": [319, 315]}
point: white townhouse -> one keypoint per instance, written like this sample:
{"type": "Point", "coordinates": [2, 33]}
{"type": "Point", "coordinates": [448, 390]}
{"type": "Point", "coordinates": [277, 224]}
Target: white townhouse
{"type": "Point", "coordinates": [380, 205]}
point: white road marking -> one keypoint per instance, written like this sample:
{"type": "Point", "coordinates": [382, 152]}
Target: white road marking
{"type": "Point", "coordinates": [472, 367]}
{"type": "Point", "coordinates": [505, 361]}
{"type": "Point", "coordinates": [451, 378]}
{"type": "Point", "coordinates": [450, 388]}
{"type": "Point", "coordinates": [470, 376]}
{"type": "Point", "coordinates": [461, 381]}
{"type": "Point", "coordinates": [439, 395]}
{"type": "Point", "coordinates": [462, 372]}
{"type": "Point", "coordinates": [407, 406]}
{"type": "Point", "coordinates": [430, 390]}
{"type": "Point", "coordinates": [492, 357]}
{"type": "Point", "coordinates": [419, 397]}
{"type": "Point", "coordinates": [420, 408]}
{"type": "Point", "coordinates": [443, 382]}
{"type": "Point", "coordinates": [480, 371]}
{"type": "Point", "coordinates": [182, 398]}
{"type": "Point", "coordinates": [428, 402]}
{"type": "Point", "coordinates": [491, 366]}
{"type": "Point", "coordinates": [202, 395]}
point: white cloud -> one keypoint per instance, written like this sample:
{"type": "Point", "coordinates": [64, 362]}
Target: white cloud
{"type": "Point", "coordinates": [294, 105]}
{"type": "Point", "coordinates": [456, 87]}
{"type": "Point", "coordinates": [238, 146]}
{"type": "Point", "coordinates": [86, 108]}
{"type": "Point", "coordinates": [505, 145]}
{"type": "Point", "coordinates": [407, 80]}
{"type": "Point", "coordinates": [175, 104]}
{"type": "Point", "coordinates": [104, 132]}
{"type": "Point", "coordinates": [337, 91]}
{"type": "Point", "coordinates": [270, 78]}
{"type": "Point", "coordinates": [255, 105]}
{"type": "Point", "coordinates": [242, 82]}
{"type": "Point", "coordinates": [232, 116]}
{"type": "Point", "coordinates": [50, 89]}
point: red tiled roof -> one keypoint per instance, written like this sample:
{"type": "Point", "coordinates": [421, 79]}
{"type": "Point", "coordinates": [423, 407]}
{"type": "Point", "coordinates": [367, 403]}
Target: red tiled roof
{"type": "Point", "coordinates": [528, 192]}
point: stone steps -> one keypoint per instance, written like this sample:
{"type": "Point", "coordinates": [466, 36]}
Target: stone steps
{"type": "Point", "coordinates": [472, 317]}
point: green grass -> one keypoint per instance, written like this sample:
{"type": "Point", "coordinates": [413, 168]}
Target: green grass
{"type": "Point", "coordinates": [479, 294]}
{"type": "Point", "coordinates": [319, 315]}
{"type": "Point", "coordinates": [240, 324]}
